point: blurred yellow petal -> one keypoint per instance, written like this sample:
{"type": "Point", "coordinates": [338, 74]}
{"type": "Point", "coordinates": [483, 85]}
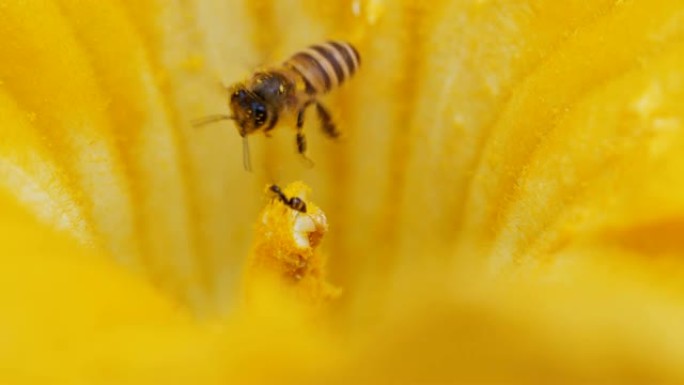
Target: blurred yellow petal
{"type": "Point", "coordinates": [505, 205]}
{"type": "Point", "coordinates": [60, 300]}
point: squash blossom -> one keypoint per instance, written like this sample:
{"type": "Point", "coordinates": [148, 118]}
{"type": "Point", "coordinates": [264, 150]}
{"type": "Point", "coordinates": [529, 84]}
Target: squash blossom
{"type": "Point", "coordinates": [506, 203]}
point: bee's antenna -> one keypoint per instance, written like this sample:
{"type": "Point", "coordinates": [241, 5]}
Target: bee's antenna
{"type": "Point", "coordinates": [246, 160]}
{"type": "Point", "coordinates": [211, 119]}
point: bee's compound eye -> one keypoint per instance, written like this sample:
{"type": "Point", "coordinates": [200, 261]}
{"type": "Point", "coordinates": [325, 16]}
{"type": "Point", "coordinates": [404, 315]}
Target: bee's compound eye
{"type": "Point", "coordinates": [238, 94]}
{"type": "Point", "coordinates": [259, 111]}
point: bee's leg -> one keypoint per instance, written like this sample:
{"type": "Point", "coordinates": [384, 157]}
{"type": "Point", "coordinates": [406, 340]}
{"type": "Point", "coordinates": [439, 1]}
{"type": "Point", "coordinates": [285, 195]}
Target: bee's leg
{"type": "Point", "coordinates": [301, 139]}
{"type": "Point", "coordinates": [327, 123]}
{"type": "Point", "coordinates": [300, 114]}
{"type": "Point", "coordinates": [271, 125]}
{"type": "Point", "coordinates": [301, 147]}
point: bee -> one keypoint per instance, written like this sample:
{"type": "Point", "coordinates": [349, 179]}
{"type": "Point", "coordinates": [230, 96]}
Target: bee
{"type": "Point", "coordinates": [290, 89]}
{"type": "Point", "coordinates": [295, 203]}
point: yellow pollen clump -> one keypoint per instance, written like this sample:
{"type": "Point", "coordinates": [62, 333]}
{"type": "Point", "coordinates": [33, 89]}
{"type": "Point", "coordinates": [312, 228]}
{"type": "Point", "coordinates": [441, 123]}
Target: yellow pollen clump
{"type": "Point", "coordinates": [286, 249]}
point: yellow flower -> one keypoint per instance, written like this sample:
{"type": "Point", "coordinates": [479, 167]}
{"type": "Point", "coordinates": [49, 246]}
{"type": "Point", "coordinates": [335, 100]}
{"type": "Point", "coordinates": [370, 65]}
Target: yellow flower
{"type": "Point", "coordinates": [506, 204]}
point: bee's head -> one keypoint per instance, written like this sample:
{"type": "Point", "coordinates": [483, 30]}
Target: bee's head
{"type": "Point", "coordinates": [249, 110]}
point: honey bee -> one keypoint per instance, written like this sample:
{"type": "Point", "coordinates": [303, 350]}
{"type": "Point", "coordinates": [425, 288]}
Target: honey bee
{"type": "Point", "coordinates": [289, 89]}
{"type": "Point", "coordinates": [295, 203]}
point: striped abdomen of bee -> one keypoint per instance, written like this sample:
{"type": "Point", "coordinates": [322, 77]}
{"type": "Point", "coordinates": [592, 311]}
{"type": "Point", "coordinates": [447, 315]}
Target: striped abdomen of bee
{"type": "Point", "coordinates": [321, 68]}
{"type": "Point", "coordinates": [325, 66]}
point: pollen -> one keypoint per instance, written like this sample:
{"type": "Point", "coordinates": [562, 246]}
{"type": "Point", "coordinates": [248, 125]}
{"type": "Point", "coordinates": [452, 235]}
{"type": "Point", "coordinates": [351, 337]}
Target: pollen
{"type": "Point", "coordinates": [286, 250]}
